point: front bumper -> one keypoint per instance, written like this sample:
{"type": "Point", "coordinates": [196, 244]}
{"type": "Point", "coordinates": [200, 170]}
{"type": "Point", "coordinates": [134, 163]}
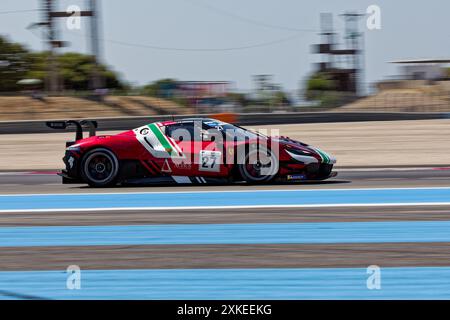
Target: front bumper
{"type": "Point", "coordinates": [66, 179]}
{"type": "Point", "coordinates": [71, 173]}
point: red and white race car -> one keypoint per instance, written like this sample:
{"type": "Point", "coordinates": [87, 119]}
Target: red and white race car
{"type": "Point", "coordinates": [188, 151]}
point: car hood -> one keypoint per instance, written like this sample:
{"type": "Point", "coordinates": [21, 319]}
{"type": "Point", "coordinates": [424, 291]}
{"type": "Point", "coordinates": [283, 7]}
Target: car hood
{"type": "Point", "coordinates": [292, 147]}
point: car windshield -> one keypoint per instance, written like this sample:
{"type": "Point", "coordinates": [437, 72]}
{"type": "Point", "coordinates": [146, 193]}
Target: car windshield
{"type": "Point", "coordinates": [232, 130]}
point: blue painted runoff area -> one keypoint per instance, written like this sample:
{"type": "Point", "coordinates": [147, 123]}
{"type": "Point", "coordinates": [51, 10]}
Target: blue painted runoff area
{"type": "Point", "coordinates": [226, 284]}
{"type": "Point", "coordinates": [256, 233]}
{"type": "Point", "coordinates": [234, 198]}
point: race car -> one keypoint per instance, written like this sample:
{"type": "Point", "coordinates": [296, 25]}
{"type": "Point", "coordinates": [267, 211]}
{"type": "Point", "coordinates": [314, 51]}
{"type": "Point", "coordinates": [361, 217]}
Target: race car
{"type": "Point", "coordinates": [188, 151]}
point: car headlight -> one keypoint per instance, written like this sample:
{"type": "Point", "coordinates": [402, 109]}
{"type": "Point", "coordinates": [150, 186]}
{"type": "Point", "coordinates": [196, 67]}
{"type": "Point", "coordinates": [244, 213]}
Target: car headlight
{"type": "Point", "coordinates": [299, 152]}
{"type": "Point", "coordinates": [73, 148]}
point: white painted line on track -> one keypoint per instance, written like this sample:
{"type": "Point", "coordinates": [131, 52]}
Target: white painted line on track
{"type": "Point", "coordinates": [11, 173]}
{"type": "Point", "coordinates": [29, 173]}
{"type": "Point", "coordinates": [391, 169]}
{"type": "Point", "coordinates": [331, 205]}
{"type": "Point", "coordinates": [220, 191]}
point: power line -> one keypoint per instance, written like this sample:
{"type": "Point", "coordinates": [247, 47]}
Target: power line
{"type": "Point", "coordinates": [245, 47]}
{"type": "Point", "coordinates": [53, 42]}
{"type": "Point", "coordinates": [19, 11]}
{"type": "Point", "coordinates": [248, 20]}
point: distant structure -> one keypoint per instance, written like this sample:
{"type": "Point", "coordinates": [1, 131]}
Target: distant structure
{"type": "Point", "coordinates": [53, 40]}
{"type": "Point", "coordinates": [204, 92]}
{"type": "Point", "coordinates": [265, 86]}
{"type": "Point", "coordinates": [424, 69]}
{"type": "Point", "coordinates": [343, 65]}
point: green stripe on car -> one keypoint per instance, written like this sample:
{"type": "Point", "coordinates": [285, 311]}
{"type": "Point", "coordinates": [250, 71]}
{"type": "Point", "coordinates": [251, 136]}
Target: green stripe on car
{"type": "Point", "coordinates": [162, 139]}
{"type": "Point", "coordinates": [325, 157]}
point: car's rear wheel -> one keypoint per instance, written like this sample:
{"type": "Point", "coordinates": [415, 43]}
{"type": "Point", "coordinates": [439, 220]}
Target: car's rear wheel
{"type": "Point", "coordinates": [259, 165]}
{"type": "Point", "coordinates": [100, 168]}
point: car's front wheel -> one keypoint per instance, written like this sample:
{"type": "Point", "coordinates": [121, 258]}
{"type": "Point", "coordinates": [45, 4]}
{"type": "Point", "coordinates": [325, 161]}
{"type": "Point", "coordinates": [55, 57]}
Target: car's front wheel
{"type": "Point", "coordinates": [259, 165]}
{"type": "Point", "coordinates": [100, 168]}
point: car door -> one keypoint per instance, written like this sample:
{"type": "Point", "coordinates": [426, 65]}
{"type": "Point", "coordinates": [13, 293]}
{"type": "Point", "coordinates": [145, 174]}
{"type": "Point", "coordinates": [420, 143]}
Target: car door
{"type": "Point", "coordinates": [209, 152]}
{"type": "Point", "coordinates": [182, 133]}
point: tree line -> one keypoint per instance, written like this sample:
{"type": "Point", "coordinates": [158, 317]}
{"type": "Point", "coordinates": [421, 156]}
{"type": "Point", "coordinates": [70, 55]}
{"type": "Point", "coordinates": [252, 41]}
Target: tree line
{"type": "Point", "coordinates": [75, 69]}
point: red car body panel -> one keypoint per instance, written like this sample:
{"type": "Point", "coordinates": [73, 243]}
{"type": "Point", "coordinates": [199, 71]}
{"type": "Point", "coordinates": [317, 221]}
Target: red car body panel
{"type": "Point", "coordinates": [297, 161]}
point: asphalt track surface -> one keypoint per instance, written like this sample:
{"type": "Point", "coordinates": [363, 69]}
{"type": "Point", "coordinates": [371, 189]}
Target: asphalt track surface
{"type": "Point", "coordinates": [49, 182]}
{"type": "Point", "coordinates": [318, 245]}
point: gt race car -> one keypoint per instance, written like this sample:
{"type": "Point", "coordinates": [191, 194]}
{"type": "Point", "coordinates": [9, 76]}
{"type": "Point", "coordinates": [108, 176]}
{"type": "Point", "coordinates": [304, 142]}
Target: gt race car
{"type": "Point", "coordinates": [188, 151]}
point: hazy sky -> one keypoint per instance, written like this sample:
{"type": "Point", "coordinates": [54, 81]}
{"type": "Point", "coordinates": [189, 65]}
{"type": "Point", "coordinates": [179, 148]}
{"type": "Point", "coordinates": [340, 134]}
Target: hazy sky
{"type": "Point", "coordinates": [410, 29]}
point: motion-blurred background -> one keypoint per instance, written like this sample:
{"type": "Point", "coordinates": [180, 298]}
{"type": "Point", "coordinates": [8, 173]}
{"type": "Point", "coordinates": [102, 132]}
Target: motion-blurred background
{"type": "Point", "coordinates": [94, 59]}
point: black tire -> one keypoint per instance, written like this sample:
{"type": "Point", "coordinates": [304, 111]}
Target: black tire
{"type": "Point", "coordinates": [100, 168]}
{"type": "Point", "coordinates": [253, 171]}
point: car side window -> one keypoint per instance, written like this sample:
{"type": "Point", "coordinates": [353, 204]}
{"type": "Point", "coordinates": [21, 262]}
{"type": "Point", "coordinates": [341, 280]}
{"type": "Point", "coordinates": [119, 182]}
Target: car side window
{"type": "Point", "coordinates": [181, 131]}
{"type": "Point", "coordinates": [215, 126]}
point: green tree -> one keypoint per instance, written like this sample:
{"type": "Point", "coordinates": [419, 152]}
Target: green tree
{"type": "Point", "coordinates": [13, 64]}
{"type": "Point", "coordinates": [321, 88]}
{"type": "Point", "coordinates": [238, 98]}
{"type": "Point", "coordinates": [163, 88]}
{"type": "Point", "coordinates": [75, 69]}
{"type": "Point", "coordinates": [281, 98]}
{"type": "Point", "coordinates": [317, 83]}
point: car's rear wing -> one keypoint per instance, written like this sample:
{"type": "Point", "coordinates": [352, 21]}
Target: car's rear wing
{"type": "Point", "coordinates": [79, 125]}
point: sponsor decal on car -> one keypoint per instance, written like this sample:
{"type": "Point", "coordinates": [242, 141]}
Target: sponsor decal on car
{"type": "Point", "coordinates": [71, 161]}
{"type": "Point", "coordinates": [296, 177]}
{"type": "Point", "coordinates": [156, 142]}
{"type": "Point", "coordinates": [166, 167]}
{"type": "Point", "coordinates": [183, 165]}
{"type": "Point", "coordinates": [210, 160]}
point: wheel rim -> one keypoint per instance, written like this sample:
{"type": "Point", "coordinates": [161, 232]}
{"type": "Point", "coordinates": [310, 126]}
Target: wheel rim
{"type": "Point", "coordinates": [100, 167]}
{"type": "Point", "coordinates": [258, 171]}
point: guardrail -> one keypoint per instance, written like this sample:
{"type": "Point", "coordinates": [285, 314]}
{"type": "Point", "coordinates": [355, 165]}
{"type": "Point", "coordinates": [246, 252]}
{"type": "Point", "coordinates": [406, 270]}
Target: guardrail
{"type": "Point", "coordinates": [120, 123]}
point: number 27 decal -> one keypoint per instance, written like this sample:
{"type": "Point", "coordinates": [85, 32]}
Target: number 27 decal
{"type": "Point", "coordinates": [210, 160]}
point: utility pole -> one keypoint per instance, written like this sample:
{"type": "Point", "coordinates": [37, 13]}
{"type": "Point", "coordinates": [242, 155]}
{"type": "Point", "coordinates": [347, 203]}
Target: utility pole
{"type": "Point", "coordinates": [97, 80]}
{"type": "Point", "coordinates": [343, 65]}
{"type": "Point", "coordinates": [327, 33]}
{"type": "Point", "coordinates": [52, 81]}
{"type": "Point", "coordinates": [51, 39]}
{"type": "Point", "coordinates": [355, 42]}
